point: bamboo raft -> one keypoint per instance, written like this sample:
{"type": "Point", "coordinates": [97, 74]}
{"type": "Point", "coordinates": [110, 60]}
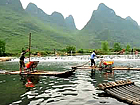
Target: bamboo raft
{"type": "Point", "coordinates": [42, 73]}
{"type": "Point", "coordinates": [113, 68]}
{"type": "Point", "coordinates": [125, 91]}
{"type": "Point", "coordinates": [85, 67]}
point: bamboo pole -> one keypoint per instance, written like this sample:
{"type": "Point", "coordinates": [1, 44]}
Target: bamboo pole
{"type": "Point", "coordinates": [29, 46]}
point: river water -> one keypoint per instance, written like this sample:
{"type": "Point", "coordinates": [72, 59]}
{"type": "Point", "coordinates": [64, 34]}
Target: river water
{"type": "Point", "coordinates": [78, 89]}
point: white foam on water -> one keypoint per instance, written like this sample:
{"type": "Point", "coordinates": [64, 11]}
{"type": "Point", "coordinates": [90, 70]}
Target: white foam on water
{"type": "Point", "coordinates": [82, 58]}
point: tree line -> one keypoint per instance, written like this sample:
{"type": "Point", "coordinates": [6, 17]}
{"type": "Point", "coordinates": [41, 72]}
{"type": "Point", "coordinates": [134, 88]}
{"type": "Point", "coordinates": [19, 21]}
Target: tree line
{"type": "Point", "coordinates": [118, 48]}
{"type": "Point", "coordinates": [105, 49]}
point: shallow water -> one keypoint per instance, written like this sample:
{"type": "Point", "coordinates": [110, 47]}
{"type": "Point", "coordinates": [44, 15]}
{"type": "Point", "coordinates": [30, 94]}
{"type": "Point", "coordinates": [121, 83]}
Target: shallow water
{"type": "Point", "coordinates": [78, 89]}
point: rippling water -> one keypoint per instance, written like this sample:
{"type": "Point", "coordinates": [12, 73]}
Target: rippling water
{"type": "Point", "coordinates": [78, 89]}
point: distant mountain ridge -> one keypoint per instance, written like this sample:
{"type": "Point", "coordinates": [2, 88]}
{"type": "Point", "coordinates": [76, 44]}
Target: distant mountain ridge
{"type": "Point", "coordinates": [70, 22]}
{"type": "Point", "coordinates": [13, 4]}
{"type": "Point", "coordinates": [55, 18]}
{"type": "Point", "coordinates": [106, 25]}
{"type": "Point", "coordinates": [131, 20]}
{"type": "Point", "coordinates": [16, 24]}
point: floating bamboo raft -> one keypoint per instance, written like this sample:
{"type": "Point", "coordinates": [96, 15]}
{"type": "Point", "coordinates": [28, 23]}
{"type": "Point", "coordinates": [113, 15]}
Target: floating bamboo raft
{"type": "Point", "coordinates": [85, 67]}
{"type": "Point", "coordinates": [45, 73]}
{"type": "Point", "coordinates": [125, 91]}
{"type": "Point", "coordinates": [98, 68]}
{"type": "Point", "coordinates": [125, 68]}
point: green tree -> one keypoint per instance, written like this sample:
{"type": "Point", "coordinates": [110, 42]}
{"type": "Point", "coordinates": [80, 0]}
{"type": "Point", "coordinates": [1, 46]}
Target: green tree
{"type": "Point", "coordinates": [80, 51]}
{"type": "Point", "coordinates": [128, 48]}
{"type": "Point", "coordinates": [117, 47]}
{"type": "Point", "coordinates": [70, 48]}
{"type": "Point", "coordinates": [105, 46]}
{"type": "Point", "coordinates": [2, 48]}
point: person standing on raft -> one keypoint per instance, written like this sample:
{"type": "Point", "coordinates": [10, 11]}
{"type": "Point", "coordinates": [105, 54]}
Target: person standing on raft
{"type": "Point", "coordinates": [92, 58]}
{"type": "Point", "coordinates": [22, 56]}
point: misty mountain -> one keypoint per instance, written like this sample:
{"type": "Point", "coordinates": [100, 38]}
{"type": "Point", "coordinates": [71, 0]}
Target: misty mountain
{"type": "Point", "coordinates": [70, 22]}
{"type": "Point", "coordinates": [12, 4]}
{"type": "Point", "coordinates": [16, 24]}
{"type": "Point", "coordinates": [106, 25]}
{"type": "Point", "coordinates": [56, 19]}
{"type": "Point", "coordinates": [131, 20]}
{"type": "Point", "coordinates": [37, 12]}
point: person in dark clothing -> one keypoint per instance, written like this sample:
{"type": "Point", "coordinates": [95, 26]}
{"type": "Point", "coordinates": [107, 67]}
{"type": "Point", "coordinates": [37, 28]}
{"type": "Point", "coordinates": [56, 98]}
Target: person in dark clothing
{"type": "Point", "coordinates": [22, 56]}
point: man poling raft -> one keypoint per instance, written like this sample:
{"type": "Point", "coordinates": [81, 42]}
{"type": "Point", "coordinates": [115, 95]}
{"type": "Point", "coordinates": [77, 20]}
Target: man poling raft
{"type": "Point", "coordinates": [101, 65]}
{"type": "Point", "coordinates": [92, 57]}
{"type": "Point", "coordinates": [31, 64]}
{"type": "Point", "coordinates": [28, 66]}
{"type": "Point", "coordinates": [22, 57]}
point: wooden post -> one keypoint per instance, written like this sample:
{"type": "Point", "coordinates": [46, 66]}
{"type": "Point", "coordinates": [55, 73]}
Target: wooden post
{"type": "Point", "coordinates": [29, 46]}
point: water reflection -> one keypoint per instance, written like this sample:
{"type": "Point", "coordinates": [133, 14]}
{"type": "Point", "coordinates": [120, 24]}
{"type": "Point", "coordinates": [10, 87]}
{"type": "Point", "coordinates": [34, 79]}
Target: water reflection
{"type": "Point", "coordinates": [77, 89]}
{"type": "Point", "coordinates": [108, 76]}
{"type": "Point", "coordinates": [29, 81]}
{"type": "Point", "coordinates": [101, 76]}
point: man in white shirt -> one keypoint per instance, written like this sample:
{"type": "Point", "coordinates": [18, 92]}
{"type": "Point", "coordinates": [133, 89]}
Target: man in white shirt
{"type": "Point", "coordinates": [92, 58]}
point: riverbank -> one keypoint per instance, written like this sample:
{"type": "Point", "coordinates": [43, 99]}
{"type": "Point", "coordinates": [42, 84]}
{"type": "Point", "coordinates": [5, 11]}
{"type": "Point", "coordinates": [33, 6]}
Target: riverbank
{"type": "Point", "coordinates": [6, 58]}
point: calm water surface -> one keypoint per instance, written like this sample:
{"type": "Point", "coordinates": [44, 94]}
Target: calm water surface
{"type": "Point", "coordinates": [78, 89]}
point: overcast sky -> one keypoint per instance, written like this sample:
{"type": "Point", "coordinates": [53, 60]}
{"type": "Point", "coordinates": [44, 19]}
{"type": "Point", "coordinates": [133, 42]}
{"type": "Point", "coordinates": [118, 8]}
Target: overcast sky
{"type": "Point", "coordinates": [81, 10]}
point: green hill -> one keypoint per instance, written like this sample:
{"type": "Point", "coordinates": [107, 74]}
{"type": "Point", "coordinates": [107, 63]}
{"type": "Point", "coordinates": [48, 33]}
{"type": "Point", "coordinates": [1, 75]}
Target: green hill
{"type": "Point", "coordinates": [16, 24]}
{"type": "Point", "coordinates": [55, 19]}
{"type": "Point", "coordinates": [106, 25]}
{"type": "Point", "coordinates": [54, 32]}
